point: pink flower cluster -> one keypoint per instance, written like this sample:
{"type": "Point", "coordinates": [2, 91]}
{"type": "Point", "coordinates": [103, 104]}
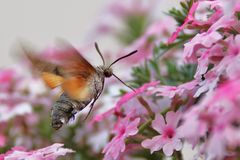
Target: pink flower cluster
{"type": "Point", "coordinates": [209, 103]}
{"type": "Point", "coordinates": [166, 110]}
{"type": "Point", "coordinates": [169, 138]}
{"type": "Point", "coordinates": [47, 153]}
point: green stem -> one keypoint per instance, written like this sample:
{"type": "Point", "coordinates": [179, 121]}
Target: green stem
{"type": "Point", "coordinates": [175, 44]}
{"type": "Point", "coordinates": [165, 111]}
{"type": "Point", "coordinates": [178, 155]}
{"type": "Point", "coordinates": [145, 125]}
{"type": "Point", "coordinates": [146, 106]}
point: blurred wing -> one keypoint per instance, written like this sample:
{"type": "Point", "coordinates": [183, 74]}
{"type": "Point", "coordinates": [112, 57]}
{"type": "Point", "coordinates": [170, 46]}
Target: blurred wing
{"type": "Point", "coordinates": [73, 62]}
{"type": "Point", "coordinates": [38, 63]}
{"type": "Point", "coordinates": [72, 73]}
{"type": "Point", "coordinates": [52, 80]}
{"type": "Point", "coordinates": [77, 88]}
{"type": "Point", "coordinates": [78, 73]}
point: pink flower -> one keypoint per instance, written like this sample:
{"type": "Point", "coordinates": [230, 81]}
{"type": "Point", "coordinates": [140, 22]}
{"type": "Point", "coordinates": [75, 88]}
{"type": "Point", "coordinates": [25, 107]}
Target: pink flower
{"type": "Point", "coordinates": [215, 146]}
{"type": "Point", "coordinates": [144, 47]}
{"type": "Point", "coordinates": [188, 19]}
{"type": "Point", "coordinates": [156, 32]}
{"type": "Point", "coordinates": [118, 11]}
{"type": "Point", "coordinates": [169, 139]}
{"type": "Point", "coordinates": [18, 109]}
{"type": "Point", "coordinates": [102, 116]}
{"type": "Point", "coordinates": [223, 22]}
{"type": "Point", "coordinates": [203, 63]}
{"type": "Point", "coordinates": [6, 77]}
{"type": "Point", "coordinates": [47, 153]}
{"type": "Point", "coordinates": [171, 91]}
{"type": "Point", "coordinates": [123, 9]}
{"type": "Point", "coordinates": [124, 128]}
{"type": "Point", "coordinates": [2, 140]}
{"type": "Point", "coordinates": [203, 40]}
{"type": "Point", "coordinates": [193, 127]}
{"type": "Point", "coordinates": [125, 98]}
{"type": "Point", "coordinates": [209, 84]}
{"type": "Point", "coordinates": [204, 18]}
{"type": "Point", "coordinates": [213, 55]}
{"type": "Point", "coordinates": [215, 118]}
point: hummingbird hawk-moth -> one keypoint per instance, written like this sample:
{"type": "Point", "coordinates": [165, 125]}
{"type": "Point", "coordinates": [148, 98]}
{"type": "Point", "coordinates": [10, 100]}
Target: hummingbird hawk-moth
{"type": "Point", "coordinates": [82, 84]}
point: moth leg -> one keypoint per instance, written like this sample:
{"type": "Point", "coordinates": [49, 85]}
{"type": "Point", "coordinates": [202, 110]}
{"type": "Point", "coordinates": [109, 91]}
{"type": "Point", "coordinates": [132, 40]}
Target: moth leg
{"type": "Point", "coordinates": [94, 100]}
{"type": "Point", "coordinates": [91, 107]}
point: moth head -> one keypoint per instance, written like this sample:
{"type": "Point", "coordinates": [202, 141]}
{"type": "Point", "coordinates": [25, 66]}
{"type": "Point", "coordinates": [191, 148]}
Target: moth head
{"type": "Point", "coordinates": [107, 71]}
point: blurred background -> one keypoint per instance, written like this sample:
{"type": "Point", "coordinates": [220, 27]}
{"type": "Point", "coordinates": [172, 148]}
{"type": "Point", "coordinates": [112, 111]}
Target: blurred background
{"type": "Point", "coordinates": [41, 22]}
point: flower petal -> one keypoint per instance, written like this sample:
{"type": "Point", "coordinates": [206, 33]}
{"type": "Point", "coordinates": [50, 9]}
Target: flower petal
{"type": "Point", "coordinates": [177, 144]}
{"type": "Point", "coordinates": [50, 152]}
{"type": "Point", "coordinates": [132, 129]}
{"type": "Point", "coordinates": [168, 149]}
{"type": "Point", "coordinates": [154, 144]}
{"type": "Point", "coordinates": [172, 118]}
{"type": "Point", "coordinates": [158, 123]}
{"type": "Point", "coordinates": [125, 98]}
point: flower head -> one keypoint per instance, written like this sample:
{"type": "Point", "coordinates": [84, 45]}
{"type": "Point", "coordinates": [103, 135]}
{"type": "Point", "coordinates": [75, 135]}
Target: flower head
{"type": "Point", "coordinates": [47, 153]}
{"type": "Point", "coordinates": [123, 100]}
{"type": "Point", "coordinates": [171, 91]}
{"type": "Point", "coordinates": [124, 128]}
{"type": "Point", "coordinates": [169, 139]}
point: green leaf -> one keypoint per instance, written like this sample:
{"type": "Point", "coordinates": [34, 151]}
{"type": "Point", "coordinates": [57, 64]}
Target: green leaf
{"type": "Point", "coordinates": [134, 27]}
{"type": "Point", "coordinates": [180, 14]}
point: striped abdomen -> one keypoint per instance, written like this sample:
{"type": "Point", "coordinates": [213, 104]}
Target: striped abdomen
{"type": "Point", "coordinates": [64, 109]}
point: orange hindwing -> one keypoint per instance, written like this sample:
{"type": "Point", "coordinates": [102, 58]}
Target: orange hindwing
{"type": "Point", "coordinates": [71, 71]}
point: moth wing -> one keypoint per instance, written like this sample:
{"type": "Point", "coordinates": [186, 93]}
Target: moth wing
{"type": "Point", "coordinates": [49, 72]}
{"type": "Point", "coordinates": [52, 80]}
{"type": "Point", "coordinates": [39, 64]}
{"type": "Point", "coordinates": [73, 63]}
{"type": "Point", "coordinates": [70, 64]}
{"type": "Point", "coordinates": [78, 88]}
{"type": "Point", "coordinates": [79, 74]}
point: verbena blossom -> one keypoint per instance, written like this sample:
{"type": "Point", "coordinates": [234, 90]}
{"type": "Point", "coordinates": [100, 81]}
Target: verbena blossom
{"type": "Point", "coordinates": [13, 97]}
{"type": "Point", "coordinates": [2, 140]}
{"type": "Point", "coordinates": [219, 114]}
{"type": "Point", "coordinates": [168, 140]}
{"type": "Point", "coordinates": [156, 32]}
{"type": "Point", "coordinates": [171, 91]}
{"type": "Point", "coordinates": [124, 128]}
{"type": "Point", "coordinates": [207, 39]}
{"type": "Point", "coordinates": [47, 153]}
{"type": "Point", "coordinates": [19, 109]}
{"type": "Point", "coordinates": [118, 11]}
{"type": "Point", "coordinates": [124, 99]}
{"type": "Point", "coordinates": [202, 40]}
{"type": "Point", "coordinates": [188, 19]}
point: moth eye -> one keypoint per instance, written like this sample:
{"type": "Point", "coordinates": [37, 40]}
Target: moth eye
{"type": "Point", "coordinates": [108, 73]}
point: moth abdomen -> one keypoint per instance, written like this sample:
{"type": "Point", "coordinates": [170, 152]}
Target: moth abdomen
{"type": "Point", "coordinates": [64, 109]}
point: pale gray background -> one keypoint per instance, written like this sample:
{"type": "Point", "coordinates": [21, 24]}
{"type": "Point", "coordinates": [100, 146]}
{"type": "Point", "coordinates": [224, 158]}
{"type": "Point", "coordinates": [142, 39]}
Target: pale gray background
{"type": "Point", "coordinates": [41, 21]}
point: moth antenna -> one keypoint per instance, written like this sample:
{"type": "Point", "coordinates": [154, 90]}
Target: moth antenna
{"type": "Point", "coordinates": [123, 82]}
{"type": "Point", "coordinates": [129, 54]}
{"type": "Point", "coordinates": [98, 50]}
